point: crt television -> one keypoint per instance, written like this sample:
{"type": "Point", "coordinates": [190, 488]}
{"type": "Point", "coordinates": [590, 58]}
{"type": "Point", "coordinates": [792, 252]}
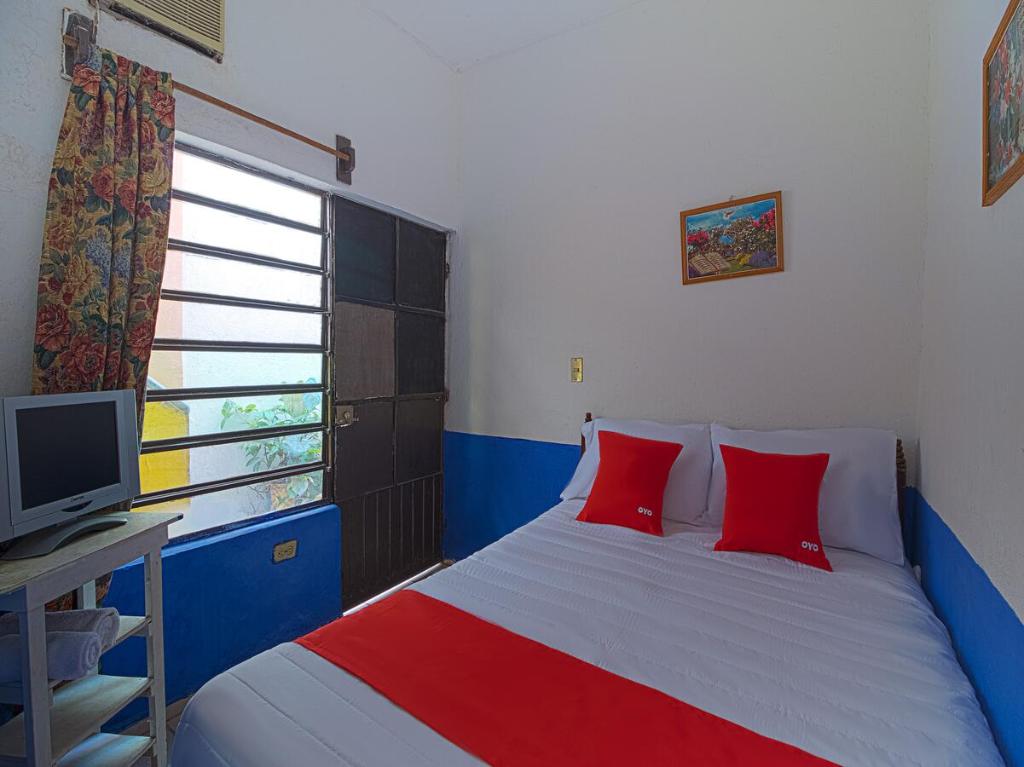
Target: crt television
{"type": "Point", "coordinates": [61, 457]}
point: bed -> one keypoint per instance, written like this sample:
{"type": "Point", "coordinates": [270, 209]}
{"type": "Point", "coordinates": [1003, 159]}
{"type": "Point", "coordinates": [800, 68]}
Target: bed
{"type": "Point", "coordinates": [852, 666]}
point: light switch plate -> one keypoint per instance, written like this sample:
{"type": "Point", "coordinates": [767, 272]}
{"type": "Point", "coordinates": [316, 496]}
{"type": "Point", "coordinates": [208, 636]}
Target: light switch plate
{"type": "Point", "coordinates": [576, 370]}
{"type": "Point", "coordinates": [285, 550]}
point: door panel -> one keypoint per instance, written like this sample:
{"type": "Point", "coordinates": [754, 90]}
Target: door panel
{"type": "Point", "coordinates": [421, 254]}
{"type": "Point", "coordinates": [390, 536]}
{"type": "Point", "coordinates": [389, 353]}
{"type": "Point", "coordinates": [421, 502]}
{"type": "Point", "coordinates": [366, 451]}
{"type": "Point", "coordinates": [420, 353]}
{"type": "Point", "coordinates": [364, 252]}
{"type": "Point", "coordinates": [364, 343]}
{"type": "Point", "coordinates": [420, 424]}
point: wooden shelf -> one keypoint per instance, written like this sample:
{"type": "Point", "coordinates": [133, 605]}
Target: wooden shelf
{"type": "Point", "coordinates": [58, 720]}
{"type": "Point", "coordinates": [131, 625]}
{"type": "Point", "coordinates": [15, 574]}
{"type": "Point", "coordinates": [104, 750]}
{"type": "Point", "coordinates": [79, 708]}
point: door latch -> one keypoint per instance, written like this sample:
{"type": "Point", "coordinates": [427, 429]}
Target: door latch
{"type": "Point", "coordinates": [344, 415]}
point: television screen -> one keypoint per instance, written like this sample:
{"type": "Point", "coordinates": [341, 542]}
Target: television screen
{"type": "Point", "coordinates": [66, 450]}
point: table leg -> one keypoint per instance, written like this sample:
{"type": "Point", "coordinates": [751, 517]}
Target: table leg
{"type": "Point", "coordinates": [85, 596]}
{"type": "Point", "coordinates": [85, 599]}
{"type": "Point", "coordinates": [155, 657]}
{"type": "Point", "coordinates": [35, 686]}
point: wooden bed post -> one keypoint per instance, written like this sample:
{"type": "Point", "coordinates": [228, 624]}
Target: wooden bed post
{"type": "Point", "coordinates": [583, 441]}
{"type": "Point", "coordinates": [901, 477]}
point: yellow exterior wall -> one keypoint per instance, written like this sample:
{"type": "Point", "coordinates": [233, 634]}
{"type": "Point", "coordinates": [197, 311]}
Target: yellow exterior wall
{"type": "Point", "coordinates": [159, 471]}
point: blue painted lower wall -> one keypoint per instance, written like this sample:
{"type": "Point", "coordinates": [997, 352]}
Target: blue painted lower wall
{"type": "Point", "coordinates": [492, 485]}
{"type": "Point", "coordinates": [225, 600]}
{"type": "Point", "coordinates": [987, 634]}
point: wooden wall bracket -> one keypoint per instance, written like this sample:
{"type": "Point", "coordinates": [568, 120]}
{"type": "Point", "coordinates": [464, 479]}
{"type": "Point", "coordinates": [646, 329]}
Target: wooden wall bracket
{"type": "Point", "coordinates": [345, 167]}
{"type": "Point", "coordinates": [79, 36]}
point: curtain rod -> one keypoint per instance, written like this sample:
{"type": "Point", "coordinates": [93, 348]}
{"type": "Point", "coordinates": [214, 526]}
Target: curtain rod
{"type": "Point", "coordinates": [72, 42]}
{"type": "Point", "coordinates": [202, 96]}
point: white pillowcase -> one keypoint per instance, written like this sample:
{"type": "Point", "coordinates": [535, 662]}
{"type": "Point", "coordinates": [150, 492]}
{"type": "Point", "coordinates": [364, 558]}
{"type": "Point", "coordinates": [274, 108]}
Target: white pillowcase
{"type": "Point", "coordinates": [859, 504]}
{"type": "Point", "coordinates": [686, 493]}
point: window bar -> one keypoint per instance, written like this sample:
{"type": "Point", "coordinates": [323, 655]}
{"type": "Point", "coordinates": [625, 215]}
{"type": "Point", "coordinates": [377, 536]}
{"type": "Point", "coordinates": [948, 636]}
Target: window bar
{"type": "Point", "coordinates": [203, 488]}
{"type": "Point", "coordinates": [193, 344]}
{"type": "Point", "coordinates": [327, 371]}
{"type": "Point", "coordinates": [211, 392]}
{"type": "Point", "coordinates": [229, 437]}
{"type": "Point", "coordinates": [240, 210]}
{"type": "Point", "coordinates": [185, 246]}
{"type": "Point", "coordinates": [245, 167]}
{"type": "Point", "coordinates": [188, 296]}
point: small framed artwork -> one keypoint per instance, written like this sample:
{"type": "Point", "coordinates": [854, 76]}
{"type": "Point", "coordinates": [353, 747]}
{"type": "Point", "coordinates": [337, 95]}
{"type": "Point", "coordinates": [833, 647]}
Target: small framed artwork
{"type": "Point", "coordinates": [738, 238]}
{"type": "Point", "coordinates": [1003, 142]}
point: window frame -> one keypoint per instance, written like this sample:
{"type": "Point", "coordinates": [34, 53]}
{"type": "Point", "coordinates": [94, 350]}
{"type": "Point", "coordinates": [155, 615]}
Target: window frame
{"type": "Point", "coordinates": [324, 348]}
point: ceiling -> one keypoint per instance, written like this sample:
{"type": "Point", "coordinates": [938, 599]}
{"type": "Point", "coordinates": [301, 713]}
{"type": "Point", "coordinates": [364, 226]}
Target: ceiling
{"type": "Point", "coordinates": [465, 32]}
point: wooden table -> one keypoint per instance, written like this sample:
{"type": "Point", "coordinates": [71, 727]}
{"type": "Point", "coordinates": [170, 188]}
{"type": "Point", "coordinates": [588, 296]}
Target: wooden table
{"type": "Point", "coordinates": [61, 726]}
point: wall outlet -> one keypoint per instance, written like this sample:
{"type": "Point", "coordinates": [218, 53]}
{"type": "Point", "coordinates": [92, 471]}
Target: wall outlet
{"type": "Point", "coordinates": [576, 370]}
{"type": "Point", "coordinates": [286, 550]}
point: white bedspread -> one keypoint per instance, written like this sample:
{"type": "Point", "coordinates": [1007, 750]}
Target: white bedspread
{"type": "Point", "coordinates": [851, 666]}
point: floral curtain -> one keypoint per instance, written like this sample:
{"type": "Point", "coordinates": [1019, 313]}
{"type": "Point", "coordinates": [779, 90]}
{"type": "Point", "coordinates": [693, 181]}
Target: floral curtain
{"type": "Point", "coordinates": [105, 235]}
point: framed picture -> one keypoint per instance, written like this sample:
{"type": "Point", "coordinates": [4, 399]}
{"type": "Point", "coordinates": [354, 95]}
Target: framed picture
{"type": "Point", "coordinates": [732, 239]}
{"type": "Point", "coordinates": [1003, 143]}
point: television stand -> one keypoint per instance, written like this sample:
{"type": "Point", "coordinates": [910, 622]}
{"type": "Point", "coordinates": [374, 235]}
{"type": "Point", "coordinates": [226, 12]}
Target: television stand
{"type": "Point", "coordinates": [61, 724]}
{"type": "Point", "coordinates": [52, 538]}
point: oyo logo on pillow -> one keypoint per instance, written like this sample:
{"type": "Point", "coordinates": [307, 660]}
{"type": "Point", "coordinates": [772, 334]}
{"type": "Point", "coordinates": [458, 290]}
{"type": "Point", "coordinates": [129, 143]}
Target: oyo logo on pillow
{"type": "Point", "coordinates": [645, 512]}
{"type": "Point", "coordinates": [809, 546]}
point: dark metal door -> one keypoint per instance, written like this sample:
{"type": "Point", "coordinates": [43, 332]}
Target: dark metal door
{"type": "Point", "coordinates": [389, 384]}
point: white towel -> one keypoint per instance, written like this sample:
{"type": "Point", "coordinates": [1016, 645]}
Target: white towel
{"type": "Point", "coordinates": [69, 655]}
{"type": "Point", "coordinates": [101, 620]}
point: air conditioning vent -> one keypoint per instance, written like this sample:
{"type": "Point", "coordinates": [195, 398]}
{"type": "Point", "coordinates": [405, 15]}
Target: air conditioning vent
{"type": "Point", "coordinates": [196, 23]}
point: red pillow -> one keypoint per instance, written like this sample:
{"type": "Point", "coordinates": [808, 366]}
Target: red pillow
{"type": "Point", "coordinates": [630, 483]}
{"type": "Point", "coordinates": [771, 504]}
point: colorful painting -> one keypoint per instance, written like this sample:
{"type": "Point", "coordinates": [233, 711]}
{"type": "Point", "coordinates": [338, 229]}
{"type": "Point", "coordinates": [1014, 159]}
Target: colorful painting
{"type": "Point", "coordinates": [732, 239]}
{"type": "Point", "coordinates": [1004, 106]}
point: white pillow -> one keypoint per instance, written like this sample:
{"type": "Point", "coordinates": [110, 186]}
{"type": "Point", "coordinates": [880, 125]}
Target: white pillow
{"type": "Point", "coordinates": [686, 493]}
{"type": "Point", "coordinates": [859, 505]}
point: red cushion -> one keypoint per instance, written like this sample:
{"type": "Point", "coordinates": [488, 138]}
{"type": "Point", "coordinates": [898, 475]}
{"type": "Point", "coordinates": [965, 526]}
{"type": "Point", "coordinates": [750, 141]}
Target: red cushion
{"type": "Point", "coordinates": [630, 483]}
{"type": "Point", "coordinates": [771, 504]}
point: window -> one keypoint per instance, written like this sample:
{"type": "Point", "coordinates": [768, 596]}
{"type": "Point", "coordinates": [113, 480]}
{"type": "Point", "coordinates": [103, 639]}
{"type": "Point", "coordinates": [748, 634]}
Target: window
{"type": "Point", "coordinates": [235, 411]}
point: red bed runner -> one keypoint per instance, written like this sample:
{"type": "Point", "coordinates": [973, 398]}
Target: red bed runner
{"type": "Point", "coordinates": [512, 701]}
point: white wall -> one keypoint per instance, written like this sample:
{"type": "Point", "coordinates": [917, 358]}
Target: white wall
{"type": "Point", "coordinates": [333, 68]}
{"type": "Point", "coordinates": [971, 411]}
{"type": "Point", "coordinates": [579, 153]}
{"type": "Point", "coordinates": [567, 163]}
